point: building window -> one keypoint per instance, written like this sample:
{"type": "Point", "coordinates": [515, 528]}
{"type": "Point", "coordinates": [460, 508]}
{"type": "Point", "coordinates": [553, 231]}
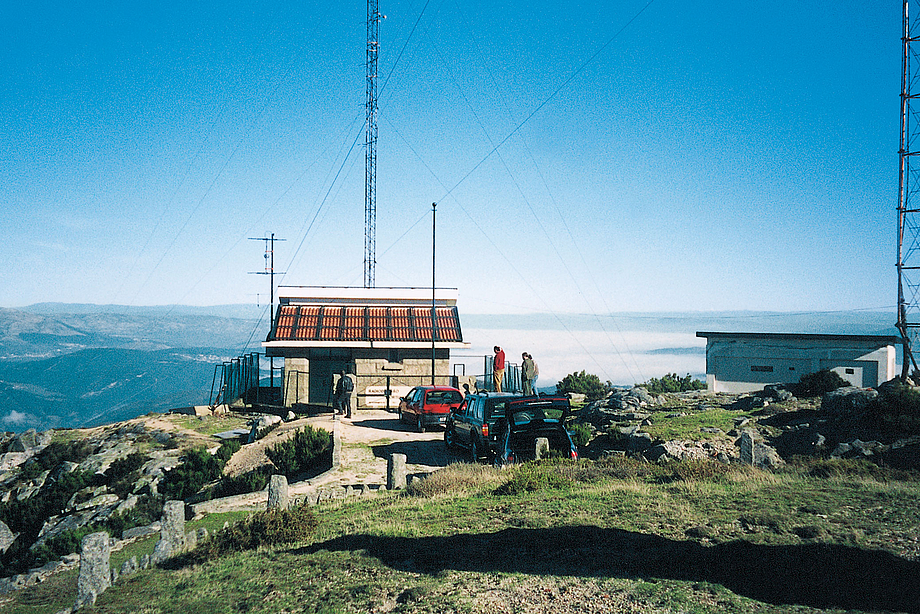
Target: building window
{"type": "Point", "coordinates": [761, 368]}
{"type": "Point", "coordinates": [850, 371]}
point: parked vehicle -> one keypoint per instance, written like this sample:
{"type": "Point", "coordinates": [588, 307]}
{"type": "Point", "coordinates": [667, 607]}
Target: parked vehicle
{"type": "Point", "coordinates": [426, 406]}
{"type": "Point", "coordinates": [476, 424]}
{"type": "Point", "coordinates": [529, 419]}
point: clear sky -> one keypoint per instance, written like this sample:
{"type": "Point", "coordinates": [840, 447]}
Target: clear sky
{"type": "Point", "coordinates": [587, 157]}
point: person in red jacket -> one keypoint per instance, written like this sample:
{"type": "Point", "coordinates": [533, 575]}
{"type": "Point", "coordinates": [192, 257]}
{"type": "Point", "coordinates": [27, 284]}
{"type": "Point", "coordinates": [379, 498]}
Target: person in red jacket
{"type": "Point", "coordinates": [498, 368]}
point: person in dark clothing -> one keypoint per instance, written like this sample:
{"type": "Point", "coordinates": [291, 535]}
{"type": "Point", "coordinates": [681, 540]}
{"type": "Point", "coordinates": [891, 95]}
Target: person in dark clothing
{"type": "Point", "coordinates": [343, 390]}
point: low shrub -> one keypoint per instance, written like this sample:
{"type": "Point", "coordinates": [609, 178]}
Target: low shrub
{"type": "Point", "coordinates": [227, 449]}
{"type": "Point", "coordinates": [301, 453]}
{"type": "Point", "coordinates": [581, 434]}
{"type": "Point", "coordinates": [670, 382]}
{"type": "Point", "coordinates": [587, 384]}
{"type": "Point", "coordinates": [198, 468]}
{"type": "Point", "coordinates": [123, 473]}
{"type": "Point", "coordinates": [818, 383]}
{"type": "Point", "coordinates": [250, 481]}
{"type": "Point", "coordinates": [147, 511]}
{"type": "Point", "coordinates": [265, 528]}
{"type": "Point", "coordinates": [457, 478]}
{"type": "Point", "coordinates": [535, 476]}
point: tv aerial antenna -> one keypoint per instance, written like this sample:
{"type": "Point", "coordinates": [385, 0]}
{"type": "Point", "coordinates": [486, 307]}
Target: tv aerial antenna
{"type": "Point", "coordinates": [270, 271]}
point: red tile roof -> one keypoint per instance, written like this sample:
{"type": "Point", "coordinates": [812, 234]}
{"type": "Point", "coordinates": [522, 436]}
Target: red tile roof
{"type": "Point", "coordinates": [336, 323]}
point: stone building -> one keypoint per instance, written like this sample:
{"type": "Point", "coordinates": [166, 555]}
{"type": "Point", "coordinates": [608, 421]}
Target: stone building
{"type": "Point", "coordinates": [746, 362]}
{"type": "Point", "coordinates": [382, 337]}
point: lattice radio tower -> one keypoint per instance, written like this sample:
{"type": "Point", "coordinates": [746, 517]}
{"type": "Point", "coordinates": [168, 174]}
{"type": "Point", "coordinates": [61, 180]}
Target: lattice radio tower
{"type": "Point", "coordinates": [908, 192]}
{"type": "Point", "coordinates": [370, 174]}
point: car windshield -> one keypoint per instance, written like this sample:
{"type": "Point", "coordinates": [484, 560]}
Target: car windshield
{"type": "Point", "coordinates": [523, 413]}
{"type": "Point", "coordinates": [527, 415]}
{"type": "Point", "coordinates": [444, 397]}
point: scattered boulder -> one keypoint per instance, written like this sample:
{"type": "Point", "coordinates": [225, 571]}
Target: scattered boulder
{"type": "Point", "coordinates": [848, 399]}
{"type": "Point", "coordinates": [756, 453]}
{"type": "Point", "coordinates": [7, 537]}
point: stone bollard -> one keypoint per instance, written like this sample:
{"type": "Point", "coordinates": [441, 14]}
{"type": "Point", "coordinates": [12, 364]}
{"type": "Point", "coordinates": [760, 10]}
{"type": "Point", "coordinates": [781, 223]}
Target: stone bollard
{"type": "Point", "coordinates": [541, 448]}
{"type": "Point", "coordinates": [278, 497]}
{"type": "Point", "coordinates": [396, 472]}
{"type": "Point", "coordinates": [747, 447]}
{"type": "Point", "coordinates": [95, 575]}
{"type": "Point", "coordinates": [172, 532]}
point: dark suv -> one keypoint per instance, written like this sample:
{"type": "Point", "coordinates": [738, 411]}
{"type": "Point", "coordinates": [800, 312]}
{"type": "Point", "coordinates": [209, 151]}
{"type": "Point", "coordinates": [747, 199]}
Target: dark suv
{"type": "Point", "coordinates": [529, 420]}
{"type": "Point", "coordinates": [478, 425]}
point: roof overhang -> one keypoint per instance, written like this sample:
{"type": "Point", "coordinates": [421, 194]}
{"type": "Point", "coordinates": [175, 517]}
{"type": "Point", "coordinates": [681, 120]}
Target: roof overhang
{"type": "Point", "coordinates": [865, 339]}
{"type": "Point", "coordinates": [333, 295]}
{"type": "Point", "coordinates": [366, 344]}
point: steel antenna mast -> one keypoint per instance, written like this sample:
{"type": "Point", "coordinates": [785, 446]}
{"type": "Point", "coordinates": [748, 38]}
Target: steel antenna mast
{"type": "Point", "coordinates": [370, 141]}
{"type": "Point", "coordinates": [270, 271]}
{"type": "Point", "coordinates": [908, 213]}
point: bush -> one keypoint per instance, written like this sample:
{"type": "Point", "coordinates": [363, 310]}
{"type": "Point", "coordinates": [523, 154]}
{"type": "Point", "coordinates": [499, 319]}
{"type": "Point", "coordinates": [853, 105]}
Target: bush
{"type": "Point", "coordinates": [147, 511]}
{"type": "Point", "coordinates": [581, 434]}
{"type": "Point", "coordinates": [303, 452]}
{"type": "Point", "coordinates": [818, 383]}
{"type": "Point", "coordinates": [198, 468]}
{"type": "Point", "coordinates": [534, 476]}
{"type": "Point", "coordinates": [250, 481]}
{"type": "Point", "coordinates": [897, 408]}
{"type": "Point", "coordinates": [587, 384]}
{"type": "Point", "coordinates": [266, 528]}
{"type": "Point", "coordinates": [671, 383]}
{"type": "Point", "coordinates": [124, 472]}
{"type": "Point", "coordinates": [227, 449]}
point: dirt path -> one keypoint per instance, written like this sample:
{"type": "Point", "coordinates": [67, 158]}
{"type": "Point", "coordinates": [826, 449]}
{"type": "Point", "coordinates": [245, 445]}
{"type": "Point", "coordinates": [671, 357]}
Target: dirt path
{"type": "Point", "coordinates": [372, 436]}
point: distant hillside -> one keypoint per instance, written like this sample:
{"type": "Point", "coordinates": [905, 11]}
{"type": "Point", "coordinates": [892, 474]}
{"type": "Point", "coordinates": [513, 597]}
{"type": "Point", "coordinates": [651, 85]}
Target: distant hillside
{"type": "Point", "coordinates": [81, 365]}
{"type": "Point", "coordinates": [74, 365]}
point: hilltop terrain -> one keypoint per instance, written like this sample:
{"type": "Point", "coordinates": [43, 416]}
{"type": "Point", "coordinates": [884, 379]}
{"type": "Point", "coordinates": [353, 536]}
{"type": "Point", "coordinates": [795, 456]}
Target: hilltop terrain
{"type": "Point", "coordinates": [77, 365]}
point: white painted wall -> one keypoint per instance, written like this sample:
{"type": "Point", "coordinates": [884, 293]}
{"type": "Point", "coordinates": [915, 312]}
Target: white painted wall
{"type": "Point", "coordinates": [747, 364]}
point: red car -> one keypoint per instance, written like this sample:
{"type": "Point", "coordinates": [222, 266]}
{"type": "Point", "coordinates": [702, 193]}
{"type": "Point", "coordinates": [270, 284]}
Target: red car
{"type": "Point", "coordinates": [426, 406]}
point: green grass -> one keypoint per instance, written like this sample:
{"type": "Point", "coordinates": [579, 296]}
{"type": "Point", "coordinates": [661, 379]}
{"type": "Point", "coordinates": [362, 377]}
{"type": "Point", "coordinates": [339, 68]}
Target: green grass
{"type": "Point", "coordinates": [555, 536]}
{"type": "Point", "coordinates": [687, 427]}
{"type": "Point", "coordinates": [207, 425]}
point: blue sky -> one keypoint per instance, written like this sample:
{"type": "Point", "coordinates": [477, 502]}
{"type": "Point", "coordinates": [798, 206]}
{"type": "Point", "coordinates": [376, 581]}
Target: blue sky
{"type": "Point", "coordinates": [586, 157]}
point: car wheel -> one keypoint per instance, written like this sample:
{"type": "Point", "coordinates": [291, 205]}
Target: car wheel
{"type": "Point", "coordinates": [419, 425]}
{"type": "Point", "coordinates": [448, 437]}
{"type": "Point", "coordinates": [474, 451]}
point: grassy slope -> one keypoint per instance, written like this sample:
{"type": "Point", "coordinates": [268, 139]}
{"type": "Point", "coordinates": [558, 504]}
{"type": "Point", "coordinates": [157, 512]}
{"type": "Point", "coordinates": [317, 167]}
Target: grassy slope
{"type": "Point", "coordinates": [615, 537]}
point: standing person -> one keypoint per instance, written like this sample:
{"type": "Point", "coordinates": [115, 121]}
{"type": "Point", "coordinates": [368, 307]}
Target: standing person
{"type": "Point", "coordinates": [536, 374]}
{"type": "Point", "coordinates": [343, 390]}
{"type": "Point", "coordinates": [498, 368]}
{"type": "Point", "coordinates": [527, 373]}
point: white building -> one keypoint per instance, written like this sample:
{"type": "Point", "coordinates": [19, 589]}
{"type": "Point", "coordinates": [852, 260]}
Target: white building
{"type": "Point", "coordinates": [746, 362]}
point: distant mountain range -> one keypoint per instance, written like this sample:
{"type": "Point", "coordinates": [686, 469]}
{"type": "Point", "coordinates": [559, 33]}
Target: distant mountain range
{"type": "Point", "coordinates": [82, 365]}
{"type": "Point", "coordinates": [70, 365]}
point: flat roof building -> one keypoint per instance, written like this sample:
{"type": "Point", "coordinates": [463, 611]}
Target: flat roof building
{"type": "Point", "coordinates": [746, 362]}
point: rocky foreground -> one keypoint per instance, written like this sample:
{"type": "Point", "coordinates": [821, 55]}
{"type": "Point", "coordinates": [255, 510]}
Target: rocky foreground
{"type": "Point", "coordinates": [109, 478]}
{"type": "Point", "coordinates": [767, 428]}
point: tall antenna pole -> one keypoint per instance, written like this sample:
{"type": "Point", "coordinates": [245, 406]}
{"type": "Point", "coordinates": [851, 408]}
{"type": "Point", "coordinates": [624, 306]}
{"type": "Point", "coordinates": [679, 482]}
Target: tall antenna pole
{"type": "Point", "coordinates": [270, 271]}
{"type": "Point", "coordinates": [908, 215]}
{"type": "Point", "coordinates": [434, 319]}
{"type": "Point", "coordinates": [370, 142]}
